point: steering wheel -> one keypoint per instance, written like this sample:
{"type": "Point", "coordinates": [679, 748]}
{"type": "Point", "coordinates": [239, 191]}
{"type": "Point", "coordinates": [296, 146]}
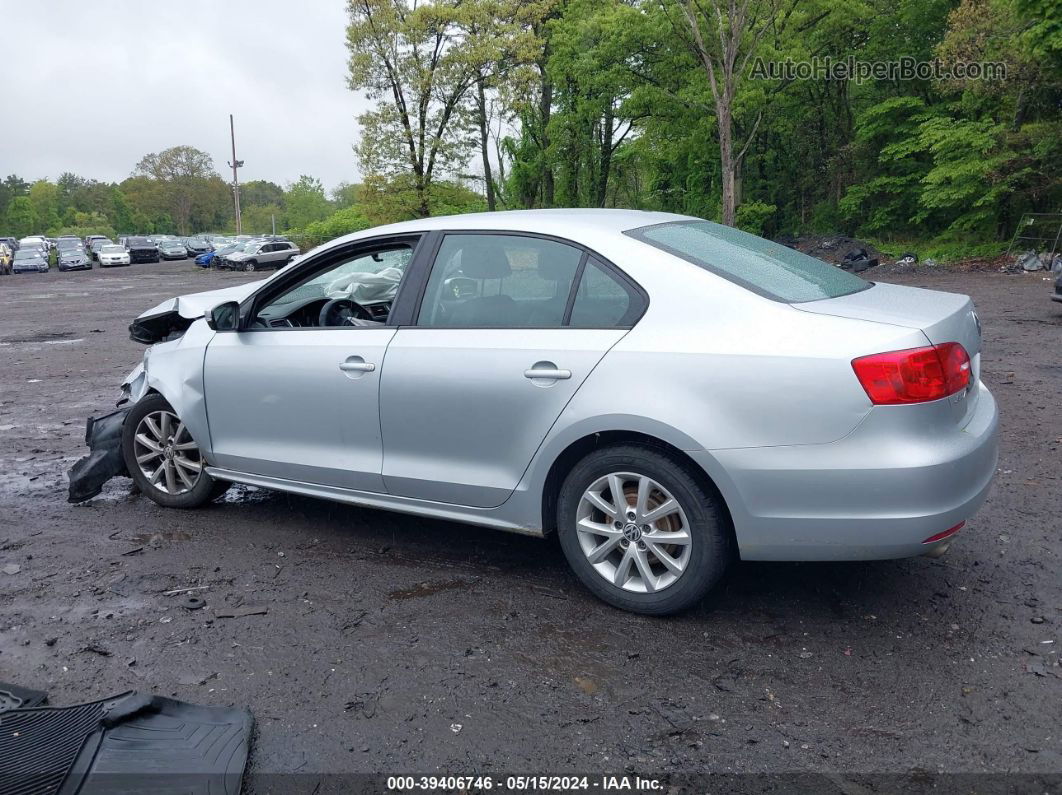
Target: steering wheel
{"type": "Point", "coordinates": [340, 311]}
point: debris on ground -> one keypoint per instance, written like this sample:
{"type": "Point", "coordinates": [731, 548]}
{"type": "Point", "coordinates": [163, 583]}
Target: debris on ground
{"type": "Point", "coordinates": [103, 435]}
{"type": "Point", "coordinates": [11, 568]}
{"type": "Point", "coordinates": [239, 612]}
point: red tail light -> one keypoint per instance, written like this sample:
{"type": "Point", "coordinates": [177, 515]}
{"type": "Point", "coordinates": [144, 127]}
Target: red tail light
{"type": "Point", "coordinates": [915, 375]}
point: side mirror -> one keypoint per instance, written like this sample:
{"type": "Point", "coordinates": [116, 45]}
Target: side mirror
{"type": "Point", "coordinates": [224, 317]}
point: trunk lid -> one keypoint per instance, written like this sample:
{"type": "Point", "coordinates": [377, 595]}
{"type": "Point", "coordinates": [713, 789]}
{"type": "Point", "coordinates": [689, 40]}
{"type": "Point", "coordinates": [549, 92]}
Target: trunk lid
{"type": "Point", "coordinates": [942, 317]}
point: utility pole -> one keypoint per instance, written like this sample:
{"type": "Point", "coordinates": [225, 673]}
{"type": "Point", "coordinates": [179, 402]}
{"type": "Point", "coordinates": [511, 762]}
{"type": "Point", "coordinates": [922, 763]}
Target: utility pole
{"type": "Point", "coordinates": [235, 164]}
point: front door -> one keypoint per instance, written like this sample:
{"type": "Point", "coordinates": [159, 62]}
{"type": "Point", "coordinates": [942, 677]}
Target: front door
{"type": "Point", "coordinates": [296, 394]}
{"type": "Point", "coordinates": [471, 390]}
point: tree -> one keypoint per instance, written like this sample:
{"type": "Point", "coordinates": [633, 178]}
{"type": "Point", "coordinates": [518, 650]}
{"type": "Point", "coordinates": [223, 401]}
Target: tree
{"type": "Point", "coordinates": [44, 198]}
{"type": "Point", "coordinates": [183, 172]}
{"type": "Point", "coordinates": [306, 202]}
{"type": "Point", "coordinates": [409, 59]}
{"type": "Point", "coordinates": [260, 192]}
{"type": "Point", "coordinates": [11, 188]}
{"type": "Point", "coordinates": [20, 218]}
{"type": "Point", "coordinates": [725, 35]}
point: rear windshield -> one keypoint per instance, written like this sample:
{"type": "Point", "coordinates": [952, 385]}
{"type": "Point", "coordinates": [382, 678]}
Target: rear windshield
{"type": "Point", "coordinates": [769, 269]}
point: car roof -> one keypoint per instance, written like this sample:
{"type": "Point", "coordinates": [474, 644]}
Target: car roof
{"type": "Point", "coordinates": [569, 223]}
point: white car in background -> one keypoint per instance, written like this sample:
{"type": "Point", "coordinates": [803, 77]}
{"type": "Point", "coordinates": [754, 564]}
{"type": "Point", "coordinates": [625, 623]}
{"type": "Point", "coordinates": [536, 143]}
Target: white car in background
{"type": "Point", "coordinates": [113, 255]}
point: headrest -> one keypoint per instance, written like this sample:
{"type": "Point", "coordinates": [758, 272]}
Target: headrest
{"type": "Point", "coordinates": [484, 258]}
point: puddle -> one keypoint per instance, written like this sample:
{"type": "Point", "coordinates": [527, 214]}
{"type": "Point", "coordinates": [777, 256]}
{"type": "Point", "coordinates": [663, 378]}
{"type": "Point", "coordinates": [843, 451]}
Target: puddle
{"type": "Point", "coordinates": [430, 588]}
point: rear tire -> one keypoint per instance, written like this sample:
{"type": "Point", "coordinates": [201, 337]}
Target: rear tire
{"type": "Point", "coordinates": [163, 459]}
{"type": "Point", "coordinates": [661, 548]}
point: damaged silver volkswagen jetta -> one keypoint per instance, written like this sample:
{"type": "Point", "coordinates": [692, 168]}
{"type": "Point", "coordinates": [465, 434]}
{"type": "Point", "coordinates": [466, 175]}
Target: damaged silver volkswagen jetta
{"type": "Point", "coordinates": [666, 393]}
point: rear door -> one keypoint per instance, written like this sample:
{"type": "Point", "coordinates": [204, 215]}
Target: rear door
{"type": "Point", "coordinates": [472, 388]}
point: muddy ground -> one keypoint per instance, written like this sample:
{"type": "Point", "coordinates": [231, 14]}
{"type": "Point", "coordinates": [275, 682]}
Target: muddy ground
{"type": "Point", "coordinates": [399, 644]}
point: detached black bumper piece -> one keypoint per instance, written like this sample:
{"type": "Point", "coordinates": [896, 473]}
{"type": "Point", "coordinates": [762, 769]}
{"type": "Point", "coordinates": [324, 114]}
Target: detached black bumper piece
{"type": "Point", "coordinates": [131, 743]}
{"type": "Point", "coordinates": [103, 435]}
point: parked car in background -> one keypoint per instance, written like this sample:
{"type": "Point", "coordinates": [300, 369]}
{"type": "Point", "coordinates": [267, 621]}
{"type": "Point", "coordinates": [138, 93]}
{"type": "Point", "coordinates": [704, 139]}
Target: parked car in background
{"type": "Point", "coordinates": [73, 259]}
{"type": "Point", "coordinates": [66, 243]}
{"type": "Point", "coordinates": [6, 255]}
{"type": "Point", "coordinates": [142, 249]}
{"type": "Point", "coordinates": [112, 255]}
{"type": "Point", "coordinates": [172, 249]}
{"type": "Point", "coordinates": [12, 243]}
{"type": "Point", "coordinates": [89, 238]}
{"type": "Point", "coordinates": [507, 369]}
{"type": "Point", "coordinates": [96, 245]}
{"type": "Point", "coordinates": [30, 260]}
{"type": "Point", "coordinates": [263, 254]}
{"type": "Point", "coordinates": [196, 246]}
{"type": "Point", "coordinates": [224, 261]}
{"type": "Point", "coordinates": [34, 242]}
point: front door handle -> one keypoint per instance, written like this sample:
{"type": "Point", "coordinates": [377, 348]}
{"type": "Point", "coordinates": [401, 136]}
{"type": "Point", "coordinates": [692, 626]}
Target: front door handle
{"type": "Point", "coordinates": [356, 365]}
{"type": "Point", "coordinates": [547, 371]}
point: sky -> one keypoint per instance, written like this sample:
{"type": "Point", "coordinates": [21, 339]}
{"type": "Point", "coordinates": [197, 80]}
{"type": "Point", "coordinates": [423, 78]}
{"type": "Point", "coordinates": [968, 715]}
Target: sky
{"type": "Point", "coordinates": [91, 87]}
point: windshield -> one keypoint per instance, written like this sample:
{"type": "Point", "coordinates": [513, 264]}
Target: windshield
{"type": "Point", "coordinates": [766, 268]}
{"type": "Point", "coordinates": [28, 254]}
{"type": "Point", "coordinates": [112, 250]}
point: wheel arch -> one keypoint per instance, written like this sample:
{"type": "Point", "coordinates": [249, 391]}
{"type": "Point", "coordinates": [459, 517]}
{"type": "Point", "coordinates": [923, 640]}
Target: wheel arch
{"type": "Point", "coordinates": [577, 450]}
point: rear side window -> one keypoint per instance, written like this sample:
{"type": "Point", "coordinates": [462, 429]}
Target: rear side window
{"type": "Point", "coordinates": [769, 269]}
{"type": "Point", "coordinates": [601, 301]}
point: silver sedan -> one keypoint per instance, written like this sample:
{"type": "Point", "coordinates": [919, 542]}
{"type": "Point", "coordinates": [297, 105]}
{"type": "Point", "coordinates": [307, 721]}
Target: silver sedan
{"type": "Point", "coordinates": [665, 393]}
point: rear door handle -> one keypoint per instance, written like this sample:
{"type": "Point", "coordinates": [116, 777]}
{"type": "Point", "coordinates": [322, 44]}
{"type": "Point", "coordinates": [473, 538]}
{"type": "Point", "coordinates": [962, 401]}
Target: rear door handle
{"type": "Point", "coordinates": [551, 373]}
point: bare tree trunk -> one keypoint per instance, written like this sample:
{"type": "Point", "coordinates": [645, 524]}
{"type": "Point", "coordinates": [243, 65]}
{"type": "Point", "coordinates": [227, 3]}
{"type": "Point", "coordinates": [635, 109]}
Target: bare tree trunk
{"type": "Point", "coordinates": [545, 107]}
{"type": "Point", "coordinates": [605, 165]}
{"type": "Point", "coordinates": [481, 103]}
{"type": "Point", "coordinates": [728, 165]}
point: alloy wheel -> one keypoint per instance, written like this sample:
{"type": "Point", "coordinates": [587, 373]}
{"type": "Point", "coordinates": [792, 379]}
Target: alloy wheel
{"type": "Point", "coordinates": [166, 454]}
{"type": "Point", "coordinates": [633, 532]}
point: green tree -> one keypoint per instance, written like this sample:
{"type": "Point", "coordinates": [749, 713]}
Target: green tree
{"type": "Point", "coordinates": [20, 218]}
{"type": "Point", "coordinates": [184, 174]}
{"type": "Point", "coordinates": [409, 59]}
{"type": "Point", "coordinates": [305, 202]}
{"type": "Point", "coordinates": [44, 199]}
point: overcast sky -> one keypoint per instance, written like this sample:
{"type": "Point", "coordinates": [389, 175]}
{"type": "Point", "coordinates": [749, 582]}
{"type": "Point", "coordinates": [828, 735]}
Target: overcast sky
{"type": "Point", "coordinates": [91, 87]}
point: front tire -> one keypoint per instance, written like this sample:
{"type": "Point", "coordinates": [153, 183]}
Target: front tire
{"type": "Point", "coordinates": [640, 531]}
{"type": "Point", "coordinates": [250, 266]}
{"type": "Point", "coordinates": [163, 459]}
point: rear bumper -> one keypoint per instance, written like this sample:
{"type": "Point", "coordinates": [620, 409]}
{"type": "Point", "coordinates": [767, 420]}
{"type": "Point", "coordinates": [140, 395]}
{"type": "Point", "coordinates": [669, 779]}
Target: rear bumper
{"type": "Point", "coordinates": [878, 493]}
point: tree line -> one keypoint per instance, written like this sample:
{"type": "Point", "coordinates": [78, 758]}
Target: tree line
{"type": "Point", "coordinates": [650, 104]}
{"type": "Point", "coordinates": [653, 104]}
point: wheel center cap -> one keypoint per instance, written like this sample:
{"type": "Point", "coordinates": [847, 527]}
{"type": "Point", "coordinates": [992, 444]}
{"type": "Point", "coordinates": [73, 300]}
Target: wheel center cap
{"type": "Point", "coordinates": [168, 451]}
{"type": "Point", "coordinates": [632, 532]}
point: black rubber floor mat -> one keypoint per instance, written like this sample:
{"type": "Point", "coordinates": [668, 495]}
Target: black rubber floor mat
{"type": "Point", "coordinates": [129, 744]}
{"type": "Point", "coordinates": [15, 697]}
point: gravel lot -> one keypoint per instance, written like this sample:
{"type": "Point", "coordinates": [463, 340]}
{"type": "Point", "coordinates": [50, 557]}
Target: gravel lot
{"type": "Point", "coordinates": [402, 645]}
